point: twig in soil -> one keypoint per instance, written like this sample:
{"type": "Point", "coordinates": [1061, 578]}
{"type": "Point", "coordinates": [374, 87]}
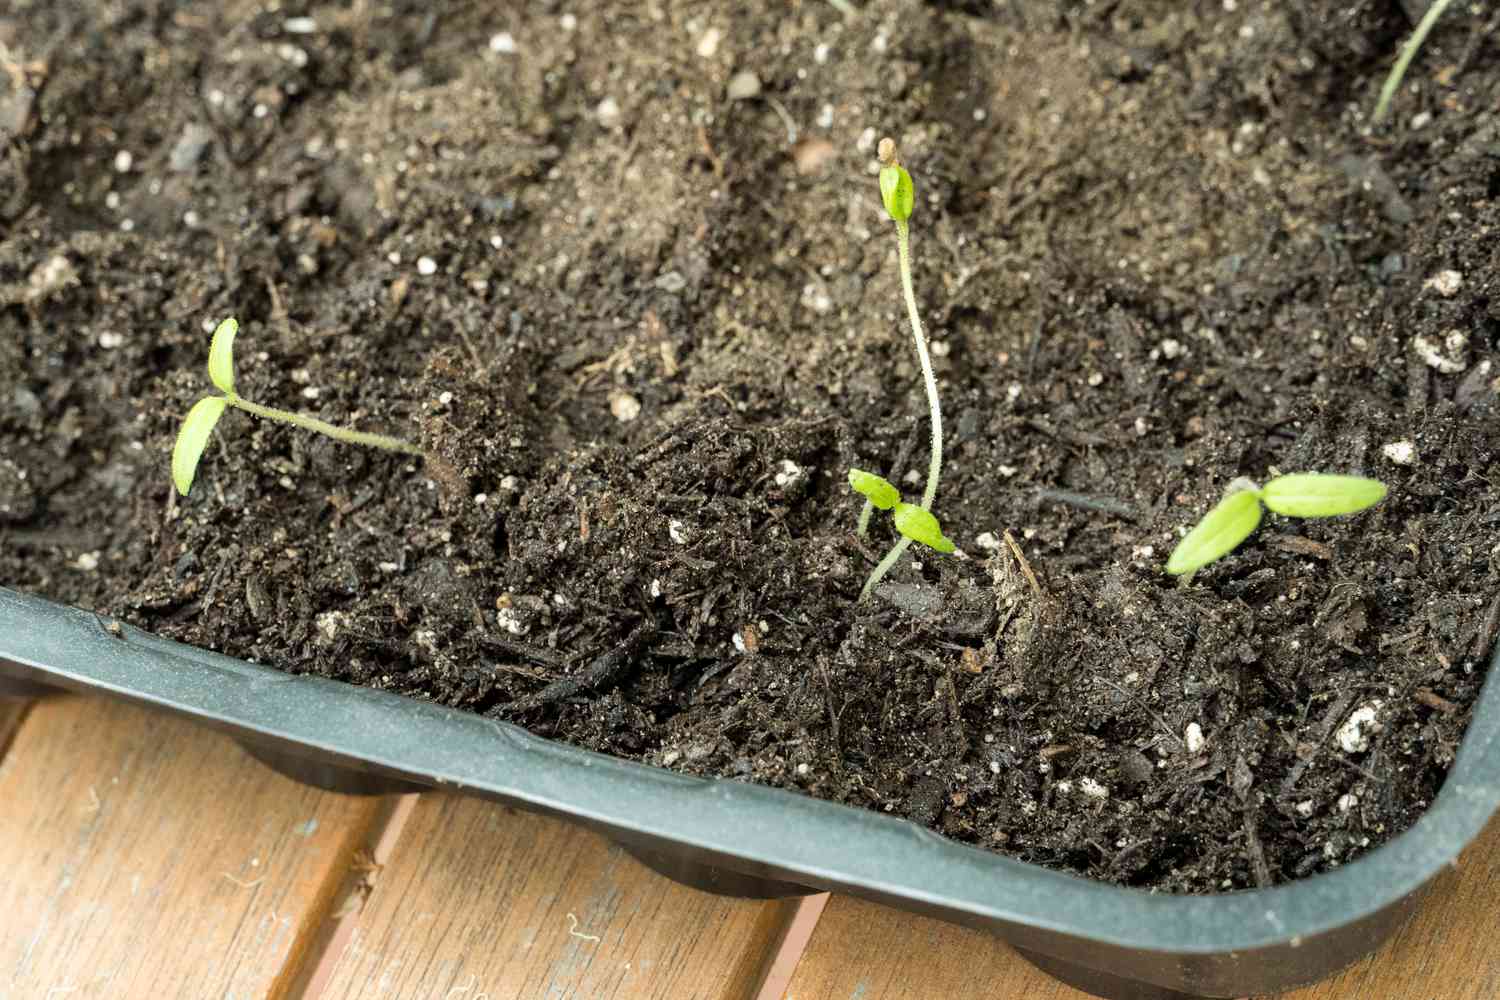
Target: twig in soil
{"type": "Point", "coordinates": [535, 654]}
{"type": "Point", "coordinates": [1255, 852]}
{"type": "Point", "coordinates": [606, 670]}
{"type": "Point", "coordinates": [1330, 719]}
{"type": "Point", "coordinates": [1015, 550]}
{"type": "Point", "coordinates": [1484, 639]}
{"type": "Point", "coordinates": [1103, 505]}
{"type": "Point", "coordinates": [1141, 704]}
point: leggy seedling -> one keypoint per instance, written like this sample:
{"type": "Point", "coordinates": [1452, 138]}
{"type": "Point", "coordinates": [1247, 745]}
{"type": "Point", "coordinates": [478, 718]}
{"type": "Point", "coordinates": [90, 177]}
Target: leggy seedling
{"type": "Point", "coordinates": [898, 196]}
{"type": "Point", "coordinates": [1301, 494]}
{"type": "Point", "coordinates": [205, 414]}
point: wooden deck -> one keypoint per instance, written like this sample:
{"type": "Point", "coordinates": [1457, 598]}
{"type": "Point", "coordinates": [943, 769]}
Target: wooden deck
{"type": "Point", "coordinates": [143, 857]}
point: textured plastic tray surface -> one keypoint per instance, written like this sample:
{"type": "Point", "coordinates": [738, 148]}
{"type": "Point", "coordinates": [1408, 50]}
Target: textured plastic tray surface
{"type": "Point", "coordinates": [1214, 945]}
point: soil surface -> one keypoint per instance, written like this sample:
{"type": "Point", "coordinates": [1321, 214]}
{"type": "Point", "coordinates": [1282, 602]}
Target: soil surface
{"type": "Point", "coordinates": [626, 277]}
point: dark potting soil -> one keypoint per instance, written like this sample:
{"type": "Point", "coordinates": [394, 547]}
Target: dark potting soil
{"type": "Point", "coordinates": [625, 274]}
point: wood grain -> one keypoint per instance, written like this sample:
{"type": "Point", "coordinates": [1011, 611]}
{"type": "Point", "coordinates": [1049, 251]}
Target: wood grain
{"type": "Point", "coordinates": [11, 713]}
{"type": "Point", "coordinates": [144, 857]}
{"type": "Point", "coordinates": [861, 951]}
{"type": "Point", "coordinates": [483, 901]}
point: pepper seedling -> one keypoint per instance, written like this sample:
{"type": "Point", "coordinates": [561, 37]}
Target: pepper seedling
{"type": "Point", "coordinates": [899, 196]}
{"type": "Point", "coordinates": [1301, 494]}
{"type": "Point", "coordinates": [205, 414]}
{"type": "Point", "coordinates": [916, 524]}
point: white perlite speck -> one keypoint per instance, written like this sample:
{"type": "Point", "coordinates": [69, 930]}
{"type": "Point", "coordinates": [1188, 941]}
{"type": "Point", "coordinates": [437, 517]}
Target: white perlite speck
{"type": "Point", "coordinates": [790, 474]}
{"type": "Point", "coordinates": [1445, 283]}
{"type": "Point", "coordinates": [1354, 735]}
{"type": "Point", "coordinates": [1194, 737]}
{"type": "Point", "coordinates": [502, 43]}
{"type": "Point", "coordinates": [1450, 357]}
{"type": "Point", "coordinates": [426, 266]}
{"type": "Point", "coordinates": [624, 406]}
{"type": "Point", "coordinates": [988, 541]}
{"type": "Point", "coordinates": [1092, 788]}
{"type": "Point", "coordinates": [1401, 452]}
{"type": "Point", "coordinates": [676, 532]}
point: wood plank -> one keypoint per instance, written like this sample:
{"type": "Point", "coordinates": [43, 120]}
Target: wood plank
{"type": "Point", "coordinates": [481, 900]}
{"type": "Point", "coordinates": [11, 712]}
{"type": "Point", "coordinates": [861, 950]}
{"type": "Point", "coordinates": [145, 857]}
{"type": "Point", "coordinates": [1448, 950]}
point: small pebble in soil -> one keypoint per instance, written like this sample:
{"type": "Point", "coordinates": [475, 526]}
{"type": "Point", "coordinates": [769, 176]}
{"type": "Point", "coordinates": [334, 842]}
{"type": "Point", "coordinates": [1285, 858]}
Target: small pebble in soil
{"type": "Point", "coordinates": [1445, 283]}
{"type": "Point", "coordinates": [426, 266]}
{"type": "Point", "coordinates": [1194, 738]}
{"type": "Point", "coordinates": [124, 161]}
{"type": "Point", "coordinates": [1354, 735]}
{"type": "Point", "coordinates": [743, 86]}
{"type": "Point", "coordinates": [608, 112]}
{"type": "Point", "coordinates": [624, 406]}
{"type": "Point", "coordinates": [567, 22]}
{"type": "Point", "coordinates": [299, 26]}
{"type": "Point", "coordinates": [708, 45]}
{"type": "Point", "coordinates": [1400, 452]}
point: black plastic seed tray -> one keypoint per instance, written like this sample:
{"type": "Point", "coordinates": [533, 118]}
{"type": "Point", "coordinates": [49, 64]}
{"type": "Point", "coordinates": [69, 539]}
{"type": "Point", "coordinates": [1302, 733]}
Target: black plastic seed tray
{"type": "Point", "coordinates": [732, 838]}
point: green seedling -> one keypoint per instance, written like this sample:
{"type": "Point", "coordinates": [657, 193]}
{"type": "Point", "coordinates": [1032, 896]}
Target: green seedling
{"type": "Point", "coordinates": [1398, 71]}
{"type": "Point", "coordinates": [205, 414]}
{"type": "Point", "coordinates": [1301, 494]}
{"type": "Point", "coordinates": [916, 524]}
{"type": "Point", "coordinates": [898, 196]}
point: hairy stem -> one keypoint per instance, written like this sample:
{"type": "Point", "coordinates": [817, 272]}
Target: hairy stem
{"type": "Point", "coordinates": [324, 427]}
{"type": "Point", "coordinates": [885, 565]}
{"type": "Point", "coordinates": [935, 463]}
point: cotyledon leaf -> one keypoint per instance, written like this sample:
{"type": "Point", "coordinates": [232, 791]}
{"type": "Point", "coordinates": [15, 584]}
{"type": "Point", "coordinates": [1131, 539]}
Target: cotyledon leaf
{"type": "Point", "coordinates": [193, 438]}
{"type": "Point", "coordinates": [1314, 494]}
{"type": "Point", "coordinates": [221, 355]}
{"type": "Point", "coordinates": [1223, 528]}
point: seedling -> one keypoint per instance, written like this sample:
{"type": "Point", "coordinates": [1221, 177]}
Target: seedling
{"type": "Point", "coordinates": [898, 195]}
{"type": "Point", "coordinates": [1301, 494]}
{"type": "Point", "coordinates": [916, 524]}
{"type": "Point", "coordinates": [205, 414]}
{"type": "Point", "coordinates": [1398, 71]}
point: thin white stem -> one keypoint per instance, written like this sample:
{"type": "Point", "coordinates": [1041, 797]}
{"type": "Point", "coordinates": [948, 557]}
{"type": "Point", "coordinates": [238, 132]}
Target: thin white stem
{"type": "Point", "coordinates": [324, 427]}
{"type": "Point", "coordinates": [885, 566]}
{"type": "Point", "coordinates": [935, 464]}
{"type": "Point", "coordinates": [864, 519]}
